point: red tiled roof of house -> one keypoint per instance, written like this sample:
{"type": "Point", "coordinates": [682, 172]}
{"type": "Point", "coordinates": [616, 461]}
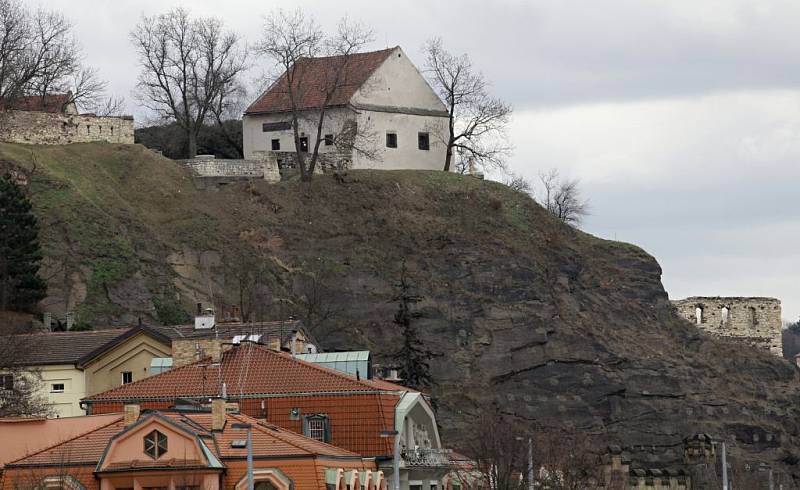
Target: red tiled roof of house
{"type": "Point", "coordinates": [268, 441]}
{"type": "Point", "coordinates": [247, 369]}
{"type": "Point", "coordinates": [312, 78]}
{"type": "Point", "coordinates": [48, 103]}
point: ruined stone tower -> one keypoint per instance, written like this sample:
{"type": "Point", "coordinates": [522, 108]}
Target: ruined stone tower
{"type": "Point", "coordinates": [756, 321]}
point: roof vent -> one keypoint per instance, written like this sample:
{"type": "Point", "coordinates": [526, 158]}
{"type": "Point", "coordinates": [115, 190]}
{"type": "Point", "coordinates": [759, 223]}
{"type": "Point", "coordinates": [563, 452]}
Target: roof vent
{"type": "Point", "coordinates": [205, 321]}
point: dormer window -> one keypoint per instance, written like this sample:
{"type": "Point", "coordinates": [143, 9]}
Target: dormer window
{"type": "Point", "coordinates": [155, 444]}
{"type": "Point", "coordinates": [317, 426]}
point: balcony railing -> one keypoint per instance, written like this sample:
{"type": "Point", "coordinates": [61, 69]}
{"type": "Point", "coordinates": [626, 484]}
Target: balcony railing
{"type": "Point", "coordinates": [430, 458]}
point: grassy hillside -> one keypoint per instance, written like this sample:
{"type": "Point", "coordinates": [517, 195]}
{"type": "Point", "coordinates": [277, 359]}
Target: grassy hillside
{"type": "Point", "coordinates": [558, 327]}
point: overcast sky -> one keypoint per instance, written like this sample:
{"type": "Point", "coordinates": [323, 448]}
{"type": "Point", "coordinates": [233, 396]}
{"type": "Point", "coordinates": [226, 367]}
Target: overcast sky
{"type": "Point", "coordinates": [681, 118]}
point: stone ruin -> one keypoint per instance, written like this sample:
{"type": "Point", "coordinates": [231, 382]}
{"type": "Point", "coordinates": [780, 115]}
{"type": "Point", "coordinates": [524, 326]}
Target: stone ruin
{"type": "Point", "coordinates": [752, 320]}
{"type": "Point", "coordinates": [210, 171]}
{"type": "Point", "coordinates": [60, 128]}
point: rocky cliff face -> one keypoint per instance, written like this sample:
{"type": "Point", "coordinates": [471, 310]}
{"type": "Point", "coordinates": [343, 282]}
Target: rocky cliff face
{"type": "Point", "coordinates": [558, 327]}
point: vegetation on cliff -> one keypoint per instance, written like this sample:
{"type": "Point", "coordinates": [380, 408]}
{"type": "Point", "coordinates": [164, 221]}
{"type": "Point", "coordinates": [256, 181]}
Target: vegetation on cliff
{"type": "Point", "coordinates": [555, 327]}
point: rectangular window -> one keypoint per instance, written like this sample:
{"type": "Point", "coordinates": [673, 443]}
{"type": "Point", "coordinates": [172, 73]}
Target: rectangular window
{"type": "Point", "coordinates": [424, 141]}
{"type": "Point", "coordinates": [317, 426]}
{"type": "Point", "coordinates": [127, 377]}
{"type": "Point", "coordinates": [304, 144]}
{"type": "Point", "coordinates": [276, 126]}
{"type": "Point", "coordinates": [276, 145]}
{"type": "Point", "coordinates": [7, 381]}
{"type": "Point", "coordinates": [391, 140]}
{"type": "Point", "coordinates": [57, 388]}
{"type": "Point", "coordinates": [328, 139]}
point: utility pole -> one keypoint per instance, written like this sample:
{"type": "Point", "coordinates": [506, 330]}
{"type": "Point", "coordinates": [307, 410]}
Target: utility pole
{"type": "Point", "coordinates": [395, 457]}
{"type": "Point", "coordinates": [724, 469]}
{"type": "Point", "coordinates": [249, 428]}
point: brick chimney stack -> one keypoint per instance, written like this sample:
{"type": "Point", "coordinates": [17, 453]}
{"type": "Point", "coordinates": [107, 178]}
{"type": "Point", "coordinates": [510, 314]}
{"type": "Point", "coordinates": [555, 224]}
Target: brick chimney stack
{"type": "Point", "coordinates": [217, 414]}
{"type": "Point", "coordinates": [131, 414]}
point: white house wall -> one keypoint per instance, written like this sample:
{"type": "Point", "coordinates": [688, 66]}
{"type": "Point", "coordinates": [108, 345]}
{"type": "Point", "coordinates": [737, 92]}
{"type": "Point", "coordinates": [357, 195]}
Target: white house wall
{"type": "Point", "coordinates": [66, 404]}
{"type": "Point", "coordinates": [256, 140]}
{"type": "Point", "coordinates": [407, 155]}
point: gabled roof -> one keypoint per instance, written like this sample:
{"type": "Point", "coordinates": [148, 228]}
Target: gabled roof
{"type": "Point", "coordinates": [313, 76]}
{"type": "Point", "coordinates": [247, 369]}
{"type": "Point", "coordinates": [47, 348]}
{"type": "Point", "coordinates": [268, 441]}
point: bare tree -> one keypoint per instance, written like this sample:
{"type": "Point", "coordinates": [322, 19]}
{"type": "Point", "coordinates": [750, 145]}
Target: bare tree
{"type": "Point", "coordinates": [290, 40]}
{"type": "Point", "coordinates": [562, 198]}
{"type": "Point", "coordinates": [20, 385]}
{"type": "Point", "coordinates": [500, 454]}
{"type": "Point", "coordinates": [39, 57]}
{"type": "Point", "coordinates": [519, 184]}
{"type": "Point", "coordinates": [188, 66]}
{"type": "Point", "coordinates": [477, 121]}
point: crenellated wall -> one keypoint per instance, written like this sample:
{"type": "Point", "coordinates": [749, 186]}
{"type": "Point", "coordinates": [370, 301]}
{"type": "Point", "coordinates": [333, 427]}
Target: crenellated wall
{"type": "Point", "coordinates": [754, 320]}
{"type": "Point", "coordinates": [46, 128]}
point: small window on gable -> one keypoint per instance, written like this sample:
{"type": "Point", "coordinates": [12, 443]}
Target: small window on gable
{"type": "Point", "coordinates": [328, 139]}
{"type": "Point", "coordinates": [424, 141]}
{"type": "Point", "coordinates": [7, 382]}
{"type": "Point", "coordinates": [698, 314]}
{"type": "Point", "coordinates": [304, 144]}
{"type": "Point", "coordinates": [155, 444]}
{"type": "Point", "coordinates": [276, 144]}
{"type": "Point", "coordinates": [127, 377]}
{"type": "Point", "coordinates": [391, 140]}
{"type": "Point", "coordinates": [57, 388]}
{"type": "Point", "coordinates": [317, 426]}
{"type": "Point", "coordinates": [725, 313]}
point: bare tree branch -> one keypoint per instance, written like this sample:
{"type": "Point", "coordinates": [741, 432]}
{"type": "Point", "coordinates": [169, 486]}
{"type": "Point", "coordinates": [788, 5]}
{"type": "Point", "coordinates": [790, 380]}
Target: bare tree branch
{"type": "Point", "coordinates": [562, 198]}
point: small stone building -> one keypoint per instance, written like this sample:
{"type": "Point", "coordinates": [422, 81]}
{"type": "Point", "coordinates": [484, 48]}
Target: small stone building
{"type": "Point", "coordinates": [753, 320]}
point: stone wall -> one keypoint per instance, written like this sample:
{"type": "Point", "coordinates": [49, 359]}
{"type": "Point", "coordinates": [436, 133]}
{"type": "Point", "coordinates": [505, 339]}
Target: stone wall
{"type": "Point", "coordinates": [46, 128]}
{"type": "Point", "coordinates": [207, 166]}
{"type": "Point", "coordinates": [756, 321]}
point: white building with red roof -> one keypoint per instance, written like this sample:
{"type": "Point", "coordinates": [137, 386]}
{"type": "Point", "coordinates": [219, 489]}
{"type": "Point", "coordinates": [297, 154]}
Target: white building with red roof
{"type": "Point", "coordinates": [400, 118]}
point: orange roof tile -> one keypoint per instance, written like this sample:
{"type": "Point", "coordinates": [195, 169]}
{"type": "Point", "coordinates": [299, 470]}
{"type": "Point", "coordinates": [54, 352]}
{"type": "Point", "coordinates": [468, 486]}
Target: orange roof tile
{"type": "Point", "coordinates": [313, 76]}
{"type": "Point", "coordinates": [246, 369]}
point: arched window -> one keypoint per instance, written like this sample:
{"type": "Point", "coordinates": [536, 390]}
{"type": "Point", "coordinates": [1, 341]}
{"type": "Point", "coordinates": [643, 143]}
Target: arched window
{"type": "Point", "coordinates": [698, 314]}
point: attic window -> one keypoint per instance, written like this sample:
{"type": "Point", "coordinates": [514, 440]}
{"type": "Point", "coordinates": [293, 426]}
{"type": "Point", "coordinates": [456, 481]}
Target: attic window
{"type": "Point", "coordinates": [155, 444]}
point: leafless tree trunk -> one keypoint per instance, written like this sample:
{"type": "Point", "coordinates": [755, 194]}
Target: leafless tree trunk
{"type": "Point", "coordinates": [20, 385]}
{"type": "Point", "coordinates": [476, 120]}
{"type": "Point", "coordinates": [562, 198]}
{"type": "Point", "coordinates": [290, 39]}
{"type": "Point", "coordinates": [39, 57]}
{"type": "Point", "coordinates": [188, 65]}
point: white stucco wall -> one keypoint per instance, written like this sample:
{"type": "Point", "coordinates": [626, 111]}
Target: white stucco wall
{"type": "Point", "coordinates": [396, 99]}
{"type": "Point", "coordinates": [66, 404]}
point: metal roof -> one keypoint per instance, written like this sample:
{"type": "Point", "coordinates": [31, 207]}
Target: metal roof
{"type": "Point", "coordinates": [325, 357]}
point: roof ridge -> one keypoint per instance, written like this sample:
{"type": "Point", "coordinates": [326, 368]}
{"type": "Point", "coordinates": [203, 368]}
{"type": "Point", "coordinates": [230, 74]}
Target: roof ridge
{"type": "Point", "coordinates": [82, 434]}
{"type": "Point", "coordinates": [173, 370]}
{"type": "Point", "coordinates": [75, 332]}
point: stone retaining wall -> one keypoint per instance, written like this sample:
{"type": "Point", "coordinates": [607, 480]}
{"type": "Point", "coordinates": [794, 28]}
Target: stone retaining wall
{"type": "Point", "coordinates": [755, 321]}
{"type": "Point", "coordinates": [47, 128]}
{"type": "Point", "coordinates": [208, 167]}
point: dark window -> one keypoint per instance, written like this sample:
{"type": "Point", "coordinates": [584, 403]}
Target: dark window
{"type": "Point", "coordinates": [127, 377]}
{"type": "Point", "coordinates": [57, 388]}
{"type": "Point", "coordinates": [155, 444]}
{"type": "Point", "coordinates": [276, 144]}
{"type": "Point", "coordinates": [276, 126]}
{"type": "Point", "coordinates": [87, 129]}
{"type": "Point", "coordinates": [317, 426]}
{"type": "Point", "coordinates": [391, 140]}
{"type": "Point", "coordinates": [424, 141]}
{"type": "Point", "coordinates": [328, 139]}
{"type": "Point", "coordinates": [7, 381]}
{"type": "Point", "coordinates": [304, 144]}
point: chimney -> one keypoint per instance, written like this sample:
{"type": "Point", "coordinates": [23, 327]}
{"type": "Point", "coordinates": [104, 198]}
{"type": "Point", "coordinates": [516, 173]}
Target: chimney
{"type": "Point", "coordinates": [199, 309]}
{"type": "Point", "coordinates": [131, 414]}
{"type": "Point", "coordinates": [217, 414]}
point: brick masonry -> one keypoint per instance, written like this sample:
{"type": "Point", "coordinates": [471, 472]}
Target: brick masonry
{"type": "Point", "coordinates": [45, 128]}
{"type": "Point", "coordinates": [756, 321]}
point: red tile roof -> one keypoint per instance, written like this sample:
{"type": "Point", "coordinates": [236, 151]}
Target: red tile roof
{"type": "Point", "coordinates": [268, 441]}
{"type": "Point", "coordinates": [312, 78]}
{"type": "Point", "coordinates": [246, 369]}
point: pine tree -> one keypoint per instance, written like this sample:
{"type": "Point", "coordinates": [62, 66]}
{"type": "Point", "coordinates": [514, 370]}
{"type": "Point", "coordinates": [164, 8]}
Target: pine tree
{"type": "Point", "coordinates": [412, 357]}
{"type": "Point", "coordinates": [21, 288]}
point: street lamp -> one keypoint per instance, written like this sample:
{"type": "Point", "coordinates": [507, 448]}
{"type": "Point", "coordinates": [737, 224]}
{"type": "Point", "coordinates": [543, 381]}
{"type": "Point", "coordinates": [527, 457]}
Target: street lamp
{"type": "Point", "coordinates": [395, 458]}
{"type": "Point", "coordinates": [530, 461]}
{"type": "Point", "coordinates": [249, 428]}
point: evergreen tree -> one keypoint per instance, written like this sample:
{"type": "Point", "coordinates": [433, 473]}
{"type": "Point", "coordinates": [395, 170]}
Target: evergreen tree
{"type": "Point", "coordinates": [21, 288]}
{"type": "Point", "coordinates": [412, 357]}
